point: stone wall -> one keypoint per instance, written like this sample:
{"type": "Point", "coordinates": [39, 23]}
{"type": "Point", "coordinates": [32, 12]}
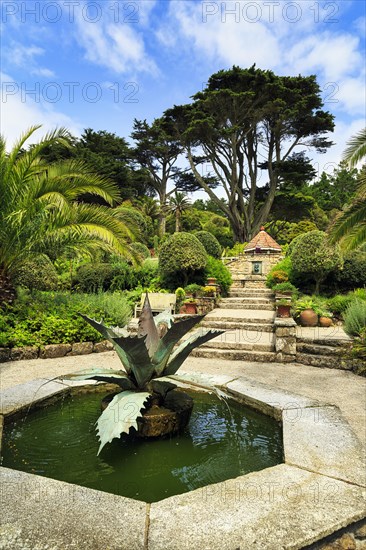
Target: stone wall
{"type": "Point", "coordinates": [52, 351]}
{"type": "Point", "coordinates": [241, 269]}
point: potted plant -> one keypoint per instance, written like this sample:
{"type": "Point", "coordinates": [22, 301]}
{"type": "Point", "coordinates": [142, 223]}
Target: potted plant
{"type": "Point", "coordinates": [283, 307]}
{"type": "Point", "coordinates": [285, 289]}
{"type": "Point", "coordinates": [211, 281]}
{"type": "Point", "coordinates": [190, 306]}
{"type": "Point", "coordinates": [306, 312]}
{"type": "Point", "coordinates": [193, 290]}
{"type": "Point", "coordinates": [325, 318]}
{"type": "Point", "coordinates": [210, 291]}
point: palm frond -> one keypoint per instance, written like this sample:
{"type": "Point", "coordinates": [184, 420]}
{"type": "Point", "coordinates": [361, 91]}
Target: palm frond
{"type": "Point", "coordinates": [355, 149]}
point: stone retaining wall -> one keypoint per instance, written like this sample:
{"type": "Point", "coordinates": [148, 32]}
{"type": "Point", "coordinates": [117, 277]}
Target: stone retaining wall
{"type": "Point", "coordinates": [52, 351]}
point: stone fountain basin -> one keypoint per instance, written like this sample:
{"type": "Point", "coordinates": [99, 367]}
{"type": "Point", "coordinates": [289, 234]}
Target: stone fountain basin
{"type": "Point", "coordinates": [319, 489]}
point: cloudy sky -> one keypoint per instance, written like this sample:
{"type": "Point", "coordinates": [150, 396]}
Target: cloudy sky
{"type": "Point", "coordinates": [100, 64]}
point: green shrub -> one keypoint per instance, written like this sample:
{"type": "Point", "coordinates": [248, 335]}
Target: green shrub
{"type": "Point", "coordinates": [210, 243]}
{"type": "Point", "coordinates": [215, 268]}
{"type": "Point", "coordinates": [95, 277]}
{"type": "Point", "coordinates": [41, 318]}
{"type": "Point", "coordinates": [180, 257]}
{"type": "Point", "coordinates": [314, 258]}
{"type": "Point", "coordinates": [194, 289]}
{"type": "Point", "coordinates": [355, 318]}
{"type": "Point", "coordinates": [353, 274]}
{"type": "Point", "coordinates": [339, 303]}
{"type": "Point", "coordinates": [279, 273]}
{"type": "Point", "coordinates": [236, 250]}
{"type": "Point", "coordinates": [37, 274]}
{"type": "Point", "coordinates": [286, 287]}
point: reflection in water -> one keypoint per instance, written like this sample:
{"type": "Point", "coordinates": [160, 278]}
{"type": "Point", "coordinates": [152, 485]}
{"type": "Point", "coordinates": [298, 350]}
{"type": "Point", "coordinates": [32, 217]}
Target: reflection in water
{"type": "Point", "coordinates": [223, 440]}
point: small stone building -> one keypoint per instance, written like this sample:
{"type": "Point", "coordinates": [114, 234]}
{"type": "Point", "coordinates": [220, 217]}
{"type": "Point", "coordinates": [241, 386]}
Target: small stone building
{"type": "Point", "coordinates": [260, 254]}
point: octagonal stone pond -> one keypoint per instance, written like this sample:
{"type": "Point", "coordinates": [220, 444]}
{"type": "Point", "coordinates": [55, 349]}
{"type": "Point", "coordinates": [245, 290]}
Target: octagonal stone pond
{"type": "Point", "coordinates": [318, 489]}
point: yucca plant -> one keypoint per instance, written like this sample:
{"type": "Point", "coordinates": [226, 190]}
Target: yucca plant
{"type": "Point", "coordinates": [147, 359]}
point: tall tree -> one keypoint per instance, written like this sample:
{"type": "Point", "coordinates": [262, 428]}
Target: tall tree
{"type": "Point", "coordinates": [110, 156]}
{"type": "Point", "coordinates": [178, 203]}
{"type": "Point", "coordinates": [40, 212]}
{"type": "Point", "coordinates": [157, 150]}
{"type": "Point", "coordinates": [242, 119]}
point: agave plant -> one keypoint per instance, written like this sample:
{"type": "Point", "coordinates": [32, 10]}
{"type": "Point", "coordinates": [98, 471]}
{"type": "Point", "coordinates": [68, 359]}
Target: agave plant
{"type": "Point", "coordinates": [147, 359]}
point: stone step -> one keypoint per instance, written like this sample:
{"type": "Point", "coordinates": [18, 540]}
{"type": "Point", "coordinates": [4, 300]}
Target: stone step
{"type": "Point", "coordinates": [239, 305]}
{"type": "Point", "coordinates": [247, 300]}
{"type": "Point", "coordinates": [235, 355]}
{"type": "Point", "coordinates": [243, 293]}
{"type": "Point", "coordinates": [316, 349]}
{"type": "Point", "coordinates": [323, 361]}
{"type": "Point", "coordinates": [238, 346]}
{"type": "Point", "coordinates": [251, 315]}
{"type": "Point", "coordinates": [331, 342]}
{"type": "Point", "coordinates": [238, 324]}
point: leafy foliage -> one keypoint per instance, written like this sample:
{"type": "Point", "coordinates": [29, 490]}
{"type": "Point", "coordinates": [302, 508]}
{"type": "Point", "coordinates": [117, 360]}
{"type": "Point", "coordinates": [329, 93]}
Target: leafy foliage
{"type": "Point", "coordinates": [355, 318]}
{"type": "Point", "coordinates": [210, 243]}
{"type": "Point", "coordinates": [40, 212]}
{"type": "Point", "coordinates": [41, 318]}
{"type": "Point", "coordinates": [37, 274]}
{"type": "Point", "coordinates": [215, 268]}
{"type": "Point", "coordinates": [280, 272]}
{"type": "Point", "coordinates": [180, 257]}
{"type": "Point", "coordinates": [314, 257]}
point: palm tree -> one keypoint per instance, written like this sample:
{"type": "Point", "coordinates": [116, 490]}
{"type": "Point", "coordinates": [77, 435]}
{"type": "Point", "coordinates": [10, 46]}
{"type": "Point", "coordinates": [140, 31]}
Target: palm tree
{"type": "Point", "coordinates": [178, 203]}
{"type": "Point", "coordinates": [40, 212]}
{"type": "Point", "coordinates": [350, 227]}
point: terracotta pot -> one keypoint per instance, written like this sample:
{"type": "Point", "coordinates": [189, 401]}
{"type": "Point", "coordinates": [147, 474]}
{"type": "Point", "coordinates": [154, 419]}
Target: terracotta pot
{"type": "Point", "coordinates": [325, 321]}
{"type": "Point", "coordinates": [191, 308]}
{"type": "Point", "coordinates": [308, 318]}
{"type": "Point", "coordinates": [284, 310]}
{"type": "Point", "coordinates": [211, 281]}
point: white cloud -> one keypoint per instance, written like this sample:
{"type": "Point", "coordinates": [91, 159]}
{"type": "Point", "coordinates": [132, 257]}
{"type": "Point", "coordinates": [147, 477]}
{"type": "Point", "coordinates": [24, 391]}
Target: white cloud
{"type": "Point", "coordinates": [18, 115]}
{"type": "Point", "coordinates": [23, 56]}
{"type": "Point", "coordinates": [116, 46]}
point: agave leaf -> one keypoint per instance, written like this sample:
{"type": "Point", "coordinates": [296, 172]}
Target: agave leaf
{"type": "Point", "coordinates": [185, 348]}
{"type": "Point", "coordinates": [103, 375]}
{"type": "Point", "coordinates": [120, 415]}
{"type": "Point", "coordinates": [138, 358]}
{"type": "Point", "coordinates": [167, 343]}
{"type": "Point", "coordinates": [109, 333]}
{"type": "Point", "coordinates": [148, 328]}
{"type": "Point", "coordinates": [162, 387]}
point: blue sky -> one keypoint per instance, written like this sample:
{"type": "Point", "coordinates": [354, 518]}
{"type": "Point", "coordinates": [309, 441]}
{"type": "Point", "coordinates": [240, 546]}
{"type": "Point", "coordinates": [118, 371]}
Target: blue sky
{"type": "Point", "coordinates": [100, 64]}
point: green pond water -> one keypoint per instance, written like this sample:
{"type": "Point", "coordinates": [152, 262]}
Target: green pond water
{"type": "Point", "coordinates": [222, 440]}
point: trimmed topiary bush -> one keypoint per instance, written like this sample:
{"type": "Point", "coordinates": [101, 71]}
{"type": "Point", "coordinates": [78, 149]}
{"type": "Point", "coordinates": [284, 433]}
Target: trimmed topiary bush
{"type": "Point", "coordinates": [314, 258]}
{"type": "Point", "coordinates": [210, 243]}
{"type": "Point", "coordinates": [180, 257]}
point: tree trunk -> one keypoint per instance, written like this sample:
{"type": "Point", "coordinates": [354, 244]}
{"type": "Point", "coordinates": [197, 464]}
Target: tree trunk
{"type": "Point", "coordinates": [7, 291]}
{"type": "Point", "coordinates": [177, 221]}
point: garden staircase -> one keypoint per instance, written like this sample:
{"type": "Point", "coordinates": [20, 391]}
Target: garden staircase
{"type": "Point", "coordinates": [247, 317]}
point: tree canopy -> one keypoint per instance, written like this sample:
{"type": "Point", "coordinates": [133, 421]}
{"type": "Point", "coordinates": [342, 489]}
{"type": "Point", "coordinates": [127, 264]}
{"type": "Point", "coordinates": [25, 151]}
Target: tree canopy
{"type": "Point", "coordinates": [245, 118]}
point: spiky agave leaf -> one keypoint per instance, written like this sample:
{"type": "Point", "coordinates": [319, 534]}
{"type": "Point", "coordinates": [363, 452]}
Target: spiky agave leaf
{"type": "Point", "coordinates": [185, 348]}
{"type": "Point", "coordinates": [137, 357]}
{"type": "Point", "coordinates": [103, 375]}
{"type": "Point", "coordinates": [167, 343]}
{"type": "Point", "coordinates": [120, 415]}
{"type": "Point", "coordinates": [148, 328]}
{"type": "Point", "coordinates": [110, 334]}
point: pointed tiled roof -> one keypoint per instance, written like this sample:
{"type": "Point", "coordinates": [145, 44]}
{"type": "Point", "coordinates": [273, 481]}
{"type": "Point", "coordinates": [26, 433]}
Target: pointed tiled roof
{"type": "Point", "coordinates": [262, 242]}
